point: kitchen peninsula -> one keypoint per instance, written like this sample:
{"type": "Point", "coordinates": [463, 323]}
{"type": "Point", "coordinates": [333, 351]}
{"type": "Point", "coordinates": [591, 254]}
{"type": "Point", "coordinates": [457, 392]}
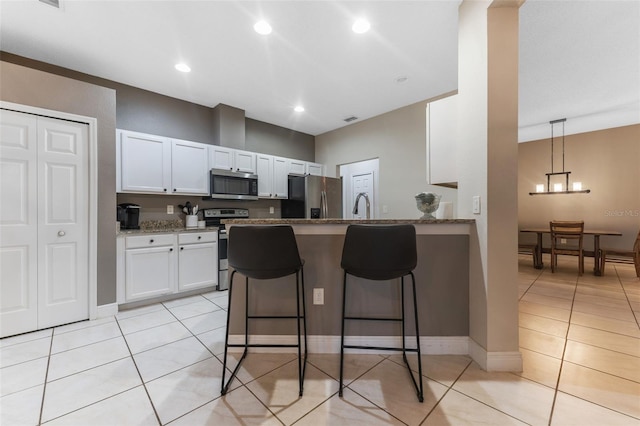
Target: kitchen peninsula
{"type": "Point", "coordinates": [442, 281]}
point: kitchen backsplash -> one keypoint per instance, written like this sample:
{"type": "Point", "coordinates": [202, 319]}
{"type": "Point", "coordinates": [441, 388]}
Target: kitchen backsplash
{"type": "Point", "coordinates": [154, 207]}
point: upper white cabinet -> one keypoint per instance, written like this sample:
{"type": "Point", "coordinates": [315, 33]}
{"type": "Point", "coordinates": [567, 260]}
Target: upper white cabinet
{"type": "Point", "coordinates": [145, 163]}
{"type": "Point", "coordinates": [441, 142]}
{"type": "Point", "coordinates": [315, 169]}
{"type": "Point", "coordinates": [153, 164]}
{"type": "Point", "coordinates": [244, 161]}
{"type": "Point", "coordinates": [297, 167]}
{"type": "Point", "coordinates": [272, 176]}
{"type": "Point", "coordinates": [220, 157]}
{"type": "Point", "coordinates": [231, 159]}
{"type": "Point", "coordinates": [189, 168]}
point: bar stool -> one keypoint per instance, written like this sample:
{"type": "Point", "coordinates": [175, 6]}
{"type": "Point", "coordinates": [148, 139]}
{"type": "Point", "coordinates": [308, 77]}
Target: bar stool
{"type": "Point", "coordinates": [261, 253]}
{"type": "Point", "coordinates": [377, 253]}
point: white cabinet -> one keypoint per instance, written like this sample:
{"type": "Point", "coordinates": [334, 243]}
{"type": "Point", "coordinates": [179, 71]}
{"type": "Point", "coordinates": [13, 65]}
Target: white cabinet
{"type": "Point", "coordinates": [145, 163]}
{"type": "Point", "coordinates": [152, 265]}
{"type": "Point", "coordinates": [231, 159]}
{"type": "Point", "coordinates": [153, 164]}
{"type": "Point", "coordinates": [220, 157]}
{"type": "Point", "coordinates": [297, 167]}
{"type": "Point", "coordinates": [315, 169]}
{"type": "Point", "coordinates": [149, 266]}
{"type": "Point", "coordinates": [197, 260]}
{"type": "Point", "coordinates": [189, 168]}
{"type": "Point", "coordinates": [272, 176]}
{"type": "Point", "coordinates": [441, 142]}
{"type": "Point", "coordinates": [244, 161]}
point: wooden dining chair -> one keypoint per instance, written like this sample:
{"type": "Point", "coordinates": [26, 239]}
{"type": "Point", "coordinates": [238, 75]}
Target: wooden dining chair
{"type": "Point", "coordinates": [571, 231]}
{"type": "Point", "coordinates": [616, 253]}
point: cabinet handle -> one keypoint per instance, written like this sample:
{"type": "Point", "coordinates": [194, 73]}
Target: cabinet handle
{"type": "Point", "coordinates": [171, 249]}
{"type": "Point", "coordinates": [181, 248]}
{"type": "Point", "coordinates": [199, 237]}
{"type": "Point", "coordinates": [165, 189]}
{"type": "Point", "coordinates": [151, 241]}
{"type": "Point", "coordinates": [174, 190]}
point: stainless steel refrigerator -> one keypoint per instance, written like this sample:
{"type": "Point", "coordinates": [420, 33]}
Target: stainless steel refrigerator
{"type": "Point", "coordinates": [313, 197]}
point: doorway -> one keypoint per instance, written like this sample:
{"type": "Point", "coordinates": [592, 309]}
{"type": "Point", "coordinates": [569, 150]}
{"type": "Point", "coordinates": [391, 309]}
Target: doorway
{"type": "Point", "coordinates": [47, 276]}
{"type": "Point", "coordinates": [358, 177]}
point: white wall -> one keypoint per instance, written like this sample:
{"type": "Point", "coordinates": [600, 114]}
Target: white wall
{"type": "Point", "coordinates": [398, 140]}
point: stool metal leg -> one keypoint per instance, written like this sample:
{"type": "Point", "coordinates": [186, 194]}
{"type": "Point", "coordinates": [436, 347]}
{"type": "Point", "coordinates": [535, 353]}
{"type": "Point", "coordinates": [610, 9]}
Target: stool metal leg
{"type": "Point", "coordinates": [225, 387]}
{"type": "Point", "coordinates": [415, 313]}
{"type": "Point", "coordinates": [344, 298]}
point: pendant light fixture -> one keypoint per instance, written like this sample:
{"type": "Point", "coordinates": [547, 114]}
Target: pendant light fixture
{"type": "Point", "coordinates": [557, 187]}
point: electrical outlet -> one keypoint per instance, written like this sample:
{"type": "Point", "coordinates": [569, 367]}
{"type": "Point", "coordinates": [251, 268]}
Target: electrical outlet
{"type": "Point", "coordinates": [563, 241]}
{"type": "Point", "coordinates": [271, 210]}
{"type": "Point", "coordinates": [385, 209]}
{"type": "Point", "coordinates": [169, 209]}
{"type": "Point", "coordinates": [318, 296]}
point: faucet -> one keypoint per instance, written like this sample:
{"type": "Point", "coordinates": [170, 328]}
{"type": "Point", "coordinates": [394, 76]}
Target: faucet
{"type": "Point", "coordinates": [368, 205]}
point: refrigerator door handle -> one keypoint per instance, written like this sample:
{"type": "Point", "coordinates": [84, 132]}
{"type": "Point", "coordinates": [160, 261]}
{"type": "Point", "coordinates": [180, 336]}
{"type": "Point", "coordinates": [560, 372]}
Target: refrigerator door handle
{"type": "Point", "coordinates": [323, 205]}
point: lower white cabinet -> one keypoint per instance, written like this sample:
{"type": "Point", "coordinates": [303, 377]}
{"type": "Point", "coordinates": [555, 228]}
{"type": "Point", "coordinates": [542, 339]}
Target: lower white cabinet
{"type": "Point", "coordinates": [152, 265]}
{"type": "Point", "coordinates": [197, 260]}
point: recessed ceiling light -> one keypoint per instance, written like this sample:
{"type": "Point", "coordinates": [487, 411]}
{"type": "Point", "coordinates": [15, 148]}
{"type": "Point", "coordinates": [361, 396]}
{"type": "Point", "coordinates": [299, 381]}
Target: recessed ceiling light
{"type": "Point", "coordinates": [183, 67]}
{"type": "Point", "coordinates": [299, 108]}
{"type": "Point", "coordinates": [361, 26]}
{"type": "Point", "coordinates": [402, 79]}
{"type": "Point", "coordinates": [262, 27]}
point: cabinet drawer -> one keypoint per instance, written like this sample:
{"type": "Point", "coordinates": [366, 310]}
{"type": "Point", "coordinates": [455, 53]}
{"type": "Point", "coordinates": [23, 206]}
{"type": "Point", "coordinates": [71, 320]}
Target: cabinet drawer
{"type": "Point", "coordinates": [197, 237]}
{"type": "Point", "coordinates": [151, 240]}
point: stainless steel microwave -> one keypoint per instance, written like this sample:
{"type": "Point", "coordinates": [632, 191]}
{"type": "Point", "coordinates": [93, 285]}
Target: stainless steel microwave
{"type": "Point", "coordinates": [230, 185]}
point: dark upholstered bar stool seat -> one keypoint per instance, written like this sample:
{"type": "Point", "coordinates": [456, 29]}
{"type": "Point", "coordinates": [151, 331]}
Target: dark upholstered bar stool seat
{"type": "Point", "coordinates": [381, 253]}
{"type": "Point", "coordinates": [261, 253]}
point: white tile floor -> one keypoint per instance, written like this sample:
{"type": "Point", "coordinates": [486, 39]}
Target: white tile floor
{"type": "Point", "coordinates": [161, 364]}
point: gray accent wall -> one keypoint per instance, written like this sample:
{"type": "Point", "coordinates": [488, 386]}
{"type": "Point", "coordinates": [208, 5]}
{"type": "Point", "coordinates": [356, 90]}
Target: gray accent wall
{"type": "Point", "coordinates": [275, 140]}
{"type": "Point", "coordinates": [26, 86]}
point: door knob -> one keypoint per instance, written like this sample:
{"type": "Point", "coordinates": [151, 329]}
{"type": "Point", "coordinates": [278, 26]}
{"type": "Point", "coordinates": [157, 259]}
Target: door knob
{"type": "Point", "coordinates": [61, 233]}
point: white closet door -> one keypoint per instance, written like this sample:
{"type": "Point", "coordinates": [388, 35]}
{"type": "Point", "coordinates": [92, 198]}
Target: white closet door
{"type": "Point", "coordinates": [63, 225]}
{"type": "Point", "coordinates": [18, 223]}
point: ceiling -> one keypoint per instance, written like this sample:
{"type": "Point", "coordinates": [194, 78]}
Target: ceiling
{"type": "Point", "coordinates": [578, 59]}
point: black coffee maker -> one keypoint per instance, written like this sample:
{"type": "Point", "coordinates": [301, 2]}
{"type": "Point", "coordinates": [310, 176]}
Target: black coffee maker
{"type": "Point", "coordinates": [129, 216]}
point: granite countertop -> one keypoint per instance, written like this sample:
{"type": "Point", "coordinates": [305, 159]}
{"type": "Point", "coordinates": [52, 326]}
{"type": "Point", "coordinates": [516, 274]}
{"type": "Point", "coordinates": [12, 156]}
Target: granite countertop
{"type": "Point", "coordinates": [163, 227]}
{"type": "Point", "coordinates": [345, 221]}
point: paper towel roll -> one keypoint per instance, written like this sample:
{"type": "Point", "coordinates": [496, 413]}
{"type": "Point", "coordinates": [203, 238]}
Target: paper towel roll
{"type": "Point", "coordinates": [445, 211]}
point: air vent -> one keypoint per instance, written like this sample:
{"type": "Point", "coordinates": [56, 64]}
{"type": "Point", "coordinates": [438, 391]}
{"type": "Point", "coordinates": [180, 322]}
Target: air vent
{"type": "Point", "coordinates": [54, 3]}
{"type": "Point", "coordinates": [350, 119]}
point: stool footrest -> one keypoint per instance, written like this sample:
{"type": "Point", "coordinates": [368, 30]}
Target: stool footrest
{"type": "Point", "coordinates": [373, 319]}
{"type": "Point", "coordinates": [273, 317]}
{"type": "Point", "coordinates": [380, 348]}
{"type": "Point", "coordinates": [261, 345]}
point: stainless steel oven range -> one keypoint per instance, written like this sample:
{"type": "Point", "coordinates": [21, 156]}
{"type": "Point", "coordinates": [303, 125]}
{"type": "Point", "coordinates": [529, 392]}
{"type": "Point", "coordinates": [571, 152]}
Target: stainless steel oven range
{"type": "Point", "coordinates": [213, 217]}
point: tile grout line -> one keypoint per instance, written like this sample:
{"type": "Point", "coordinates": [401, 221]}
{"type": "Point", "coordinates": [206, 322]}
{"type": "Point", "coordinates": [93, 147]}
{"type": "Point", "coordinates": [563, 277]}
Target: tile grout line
{"type": "Point", "coordinates": [144, 385]}
{"type": "Point", "coordinates": [564, 350]}
{"type": "Point", "coordinates": [46, 374]}
{"type": "Point", "coordinates": [627, 297]}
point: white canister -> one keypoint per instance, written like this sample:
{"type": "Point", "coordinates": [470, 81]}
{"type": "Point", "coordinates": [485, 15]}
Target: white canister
{"type": "Point", "coordinates": [202, 224]}
{"type": "Point", "coordinates": [192, 221]}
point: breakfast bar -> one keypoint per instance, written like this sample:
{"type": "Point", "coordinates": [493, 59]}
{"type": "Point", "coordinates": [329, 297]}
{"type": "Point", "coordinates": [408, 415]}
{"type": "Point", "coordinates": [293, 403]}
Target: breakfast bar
{"type": "Point", "coordinates": [442, 278]}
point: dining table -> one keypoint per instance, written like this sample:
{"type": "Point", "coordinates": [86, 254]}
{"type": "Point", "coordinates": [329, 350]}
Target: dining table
{"type": "Point", "coordinates": [537, 258]}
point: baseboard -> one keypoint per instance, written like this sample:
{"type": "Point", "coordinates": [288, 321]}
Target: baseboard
{"type": "Point", "coordinates": [429, 345]}
{"type": "Point", "coordinates": [495, 361]}
{"type": "Point", "coordinates": [105, 311]}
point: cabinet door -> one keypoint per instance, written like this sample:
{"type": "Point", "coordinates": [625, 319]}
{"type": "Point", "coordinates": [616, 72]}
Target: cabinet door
{"type": "Point", "coordinates": [145, 163]}
{"type": "Point", "coordinates": [297, 167]}
{"type": "Point", "coordinates": [189, 168]}
{"type": "Point", "coordinates": [149, 272]}
{"type": "Point", "coordinates": [197, 266]}
{"type": "Point", "coordinates": [280, 176]}
{"type": "Point", "coordinates": [264, 169]}
{"type": "Point", "coordinates": [315, 169]}
{"type": "Point", "coordinates": [245, 161]}
{"type": "Point", "coordinates": [220, 157]}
